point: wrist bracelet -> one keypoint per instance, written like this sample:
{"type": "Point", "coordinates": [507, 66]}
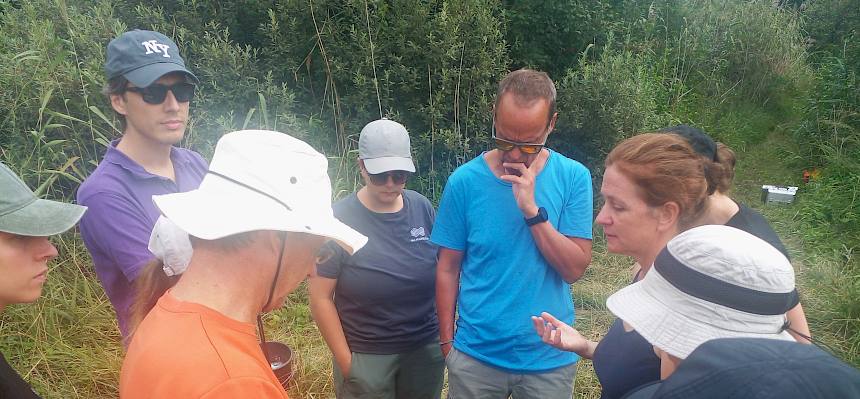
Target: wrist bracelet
{"type": "Point", "coordinates": [446, 342]}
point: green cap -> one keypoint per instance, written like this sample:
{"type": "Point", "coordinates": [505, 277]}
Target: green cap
{"type": "Point", "coordinates": [23, 214]}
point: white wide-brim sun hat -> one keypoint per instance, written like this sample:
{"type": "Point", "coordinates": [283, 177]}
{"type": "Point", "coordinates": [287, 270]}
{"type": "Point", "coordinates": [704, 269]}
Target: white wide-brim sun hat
{"type": "Point", "coordinates": [261, 180]}
{"type": "Point", "coordinates": [710, 282]}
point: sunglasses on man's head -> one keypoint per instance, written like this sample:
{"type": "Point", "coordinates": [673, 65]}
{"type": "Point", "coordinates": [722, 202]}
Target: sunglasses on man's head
{"type": "Point", "coordinates": [156, 92]}
{"type": "Point", "coordinates": [397, 176]}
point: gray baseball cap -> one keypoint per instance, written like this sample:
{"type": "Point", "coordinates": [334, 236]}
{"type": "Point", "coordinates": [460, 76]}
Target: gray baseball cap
{"type": "Point", "coordinates": [143, 56]}
{"type": "Point", "coordinates": [384, 145]}
{"type": "Point", "coordinates": [22, 213]}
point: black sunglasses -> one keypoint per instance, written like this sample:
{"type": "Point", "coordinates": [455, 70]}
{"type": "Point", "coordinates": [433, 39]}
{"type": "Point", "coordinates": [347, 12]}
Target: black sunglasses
{"type": "Point", "coordinates": [397, 176]}
{"type": "Point", "coordinates": [156, 92]}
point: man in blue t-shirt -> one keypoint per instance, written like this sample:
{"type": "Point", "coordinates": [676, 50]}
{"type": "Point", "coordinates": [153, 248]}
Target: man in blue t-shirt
{"type": "Point", "coordinates": [514, 230]}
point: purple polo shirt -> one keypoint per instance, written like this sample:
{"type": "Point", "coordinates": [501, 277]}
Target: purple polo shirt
{"type": "Point", "coordinates": [121, 215]}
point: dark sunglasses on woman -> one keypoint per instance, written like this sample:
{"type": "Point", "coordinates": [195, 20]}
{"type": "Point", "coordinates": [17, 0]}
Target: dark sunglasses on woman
{"type": "Point", "coordinates": [397, 176]}
{"type": "Point", "coordinates": [156, 92]}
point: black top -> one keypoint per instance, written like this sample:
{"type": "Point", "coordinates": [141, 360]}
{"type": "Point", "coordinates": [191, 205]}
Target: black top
{"type": "Point", "coordinates": [385, 293]}
{"type": "Point", "coordinates": [624, 360]}
{"type": "Point", "coordinates": [747, 219]}
{"type": "Point", "coordinates": [11, 384]}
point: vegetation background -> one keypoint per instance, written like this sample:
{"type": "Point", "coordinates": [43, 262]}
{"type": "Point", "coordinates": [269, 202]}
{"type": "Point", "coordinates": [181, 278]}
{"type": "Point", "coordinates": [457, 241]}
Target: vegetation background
{"type": "Point", "coordinates": [775, 80]}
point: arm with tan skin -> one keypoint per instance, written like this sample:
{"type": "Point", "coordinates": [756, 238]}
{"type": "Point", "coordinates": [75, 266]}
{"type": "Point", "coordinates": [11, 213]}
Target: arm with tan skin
{"type": "Point", "coordinates": [321, 292]}
{"type": "Point", "coordinates": [797, 319]}
{"type": "Point", "coordinates": [447, 288]}
{"type": "Point", "coordinates": [569, 256]}
{"type": "Point", "coordinates": [668, 363]}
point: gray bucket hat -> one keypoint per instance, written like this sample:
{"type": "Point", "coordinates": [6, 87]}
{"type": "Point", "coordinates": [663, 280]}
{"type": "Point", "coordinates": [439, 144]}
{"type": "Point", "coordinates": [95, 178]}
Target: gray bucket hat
{"type": "Point", "coordinates": [143, 56]}
{"type": "Point", "coordinates": [22, 213]}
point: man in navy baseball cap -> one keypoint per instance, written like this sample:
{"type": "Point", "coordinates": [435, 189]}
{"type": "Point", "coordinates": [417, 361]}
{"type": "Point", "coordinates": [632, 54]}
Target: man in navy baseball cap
{"type": "Point", "coordinates": [150, 90]}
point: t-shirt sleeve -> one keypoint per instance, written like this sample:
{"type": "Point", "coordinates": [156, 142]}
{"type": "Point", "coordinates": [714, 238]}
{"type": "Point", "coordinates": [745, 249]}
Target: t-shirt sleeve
{"type": "Point", "coordinates": [577, 214]}
{"type": "Point", "coordinates": [115, 229]}
{"type": "Point", "coordinates": [449, 229]}
{"type": "Point", "coordinates": [427, 210]}
{"type": "Point", "coordinates": [332, 267]}
{"type": "Point", "coordinates": [246, 387]}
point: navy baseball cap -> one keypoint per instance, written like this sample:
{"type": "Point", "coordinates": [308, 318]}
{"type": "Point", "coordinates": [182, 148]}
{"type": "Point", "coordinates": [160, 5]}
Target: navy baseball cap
{"type": "Point", "coordinates": [742, 368]}
{"type": "Point", "coordinates": [143, 56]}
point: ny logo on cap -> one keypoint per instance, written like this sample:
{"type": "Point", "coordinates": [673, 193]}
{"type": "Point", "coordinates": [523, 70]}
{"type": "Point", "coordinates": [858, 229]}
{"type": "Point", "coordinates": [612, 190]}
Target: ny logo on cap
{"type": "Point", "coordinates": [153, 46]}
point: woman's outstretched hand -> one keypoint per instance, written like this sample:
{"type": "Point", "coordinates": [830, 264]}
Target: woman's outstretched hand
{"type": "Point", "coordinates": [559, 334]}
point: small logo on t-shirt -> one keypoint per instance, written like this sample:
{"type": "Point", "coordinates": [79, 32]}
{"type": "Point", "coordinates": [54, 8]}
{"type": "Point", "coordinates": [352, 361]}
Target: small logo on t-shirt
{"type": "Point", "coordinates": [417, 234]}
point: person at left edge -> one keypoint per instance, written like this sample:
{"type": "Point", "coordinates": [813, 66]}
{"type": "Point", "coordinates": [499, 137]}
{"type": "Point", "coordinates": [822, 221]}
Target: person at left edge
{"type": "Point", "coordinates": [376, 309]}
{"type": "Point", "coordinates": [150, 90]}
{"type": "Point", "coordinates": [26, 222]}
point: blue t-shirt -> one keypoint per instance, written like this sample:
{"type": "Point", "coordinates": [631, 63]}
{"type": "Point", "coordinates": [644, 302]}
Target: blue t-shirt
{"type": "Point", "coordinates": [385, 291]}
{"type": "Point", "coordinates": [504, 279]}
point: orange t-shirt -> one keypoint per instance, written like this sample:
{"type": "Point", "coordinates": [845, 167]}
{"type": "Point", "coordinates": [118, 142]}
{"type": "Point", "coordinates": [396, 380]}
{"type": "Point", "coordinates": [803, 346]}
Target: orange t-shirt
{"type": "Point", "coordinates": [186, 350]}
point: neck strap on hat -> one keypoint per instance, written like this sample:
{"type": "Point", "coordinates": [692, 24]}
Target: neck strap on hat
{"type": "Point", "coordinates": [707, 288]}
{"type": "Point", "coordinates": [256, 190]}
{"type": "Point", "coordinates": [283, 235]}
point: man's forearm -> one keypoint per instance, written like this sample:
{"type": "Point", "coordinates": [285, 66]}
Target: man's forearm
{"type": "Point", "coordinates": [447, 285]}
{"type": "Point", "coordinates": [569, 256]}
{"type": "Point", "coordinates": [447, 288]}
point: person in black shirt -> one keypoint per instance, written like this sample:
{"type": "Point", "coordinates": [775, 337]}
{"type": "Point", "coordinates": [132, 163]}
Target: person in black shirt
{"type": "Point", "coordinates": [26, 222]}
{"type": "Point", "coordinates": [722, 209]}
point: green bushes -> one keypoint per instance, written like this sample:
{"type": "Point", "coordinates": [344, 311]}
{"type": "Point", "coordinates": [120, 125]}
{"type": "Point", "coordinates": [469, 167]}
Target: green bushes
{"type": "Point", "coordinates": [602, 102]}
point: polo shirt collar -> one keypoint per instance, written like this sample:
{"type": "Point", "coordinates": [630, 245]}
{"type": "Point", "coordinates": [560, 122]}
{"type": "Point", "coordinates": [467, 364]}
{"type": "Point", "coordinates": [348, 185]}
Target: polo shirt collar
{"type": "Point", "coordinates": [117, 157]}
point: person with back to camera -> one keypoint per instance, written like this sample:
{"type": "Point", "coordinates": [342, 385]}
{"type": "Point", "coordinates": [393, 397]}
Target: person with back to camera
{"type": "Point", "coordinates": [710, 282]}
{"type": "Point", "coordinates": [26, 222]}
{"type": "Point", "coordinates": [755, 368]}
{"type": "Point", "coordinates": [722, 209]}
{"type": "Point", "coordinates": [375, 308]}
{"type": "Point", "coordinates": [257, 224]}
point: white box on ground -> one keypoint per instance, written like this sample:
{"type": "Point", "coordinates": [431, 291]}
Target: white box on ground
{"type": "Point", "coordinates": [784, 194]}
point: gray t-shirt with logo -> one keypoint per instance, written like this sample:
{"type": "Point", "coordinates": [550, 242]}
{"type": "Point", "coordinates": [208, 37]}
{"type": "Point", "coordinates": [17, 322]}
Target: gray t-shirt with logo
{"type": "Point", "coordinates": [385, 293]}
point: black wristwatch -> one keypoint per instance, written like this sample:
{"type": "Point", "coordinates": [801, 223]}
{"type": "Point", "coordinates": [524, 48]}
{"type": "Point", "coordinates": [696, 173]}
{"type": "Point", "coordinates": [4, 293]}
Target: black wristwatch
{"type": "Point", "coordinates": [539, 218]}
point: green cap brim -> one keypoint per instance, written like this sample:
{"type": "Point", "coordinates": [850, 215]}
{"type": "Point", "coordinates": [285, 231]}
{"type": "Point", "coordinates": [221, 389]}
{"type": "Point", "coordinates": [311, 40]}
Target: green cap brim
{"type": "Point", "coordinates": [42, 218]}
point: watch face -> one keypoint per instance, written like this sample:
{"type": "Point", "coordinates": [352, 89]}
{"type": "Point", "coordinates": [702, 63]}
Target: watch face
{"type": "Point", "coordinates": [539, 218]}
